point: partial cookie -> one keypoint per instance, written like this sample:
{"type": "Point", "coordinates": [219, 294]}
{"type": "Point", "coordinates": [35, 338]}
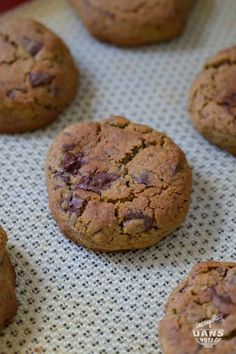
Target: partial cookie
{"type": "Point", "coordinates": [117, 185]}
{"type": "Point", "coordinates": [204, 301]}
{"type": "Point", "coordinates": [38, 75]}
{"type": "Point", "coordinates": [212, 101]}
{"type": "Point", "coordinates": [8, 303]}
{"type": "Point", "coordinates": [134, 22]}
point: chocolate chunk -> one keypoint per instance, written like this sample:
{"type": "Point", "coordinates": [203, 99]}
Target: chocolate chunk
{"type": "Point", "coordinates": [102, 181]}
{"type": "Point", "coordinates": [218, 300]}
{"type": "Point", "coordinates": [32, 46]}
{"type": "Point", "coordinates": [176, 168]}
{"type": "Point", "coordinates": [84, 183]}
{"type": "Point", "coordinates": [71, 162]}
{"type": "Point", "coordinates": [138, 215]}
{"type": "Point", "coordinates": [98, 182]}
{"type": "Point", "coordinates": [76, 205]}
{"type": "Point", "coordinates": [40, 78]}
{"type": "Point", "coordinates": [143, 178]}
{"type": "Point", "coordinates": [68, 147]}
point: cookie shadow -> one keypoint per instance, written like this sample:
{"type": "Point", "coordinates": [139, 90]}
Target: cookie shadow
{"type": "Point", "coordinates": [21, 333]}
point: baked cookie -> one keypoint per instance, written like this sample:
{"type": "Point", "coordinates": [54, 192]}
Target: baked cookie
{"type": "Point", "coordinates": [212, 101]}
{"type": "Point", "coordinates": [208, 293]}
{"type": "Point", "coordinates": [117, 185]}
{"type": "Point", "coordinates": [38, 75]}
{"type": "Point", "coordinates": [8, 304]}
{"type": "Point", "coordinates": [134, 22]}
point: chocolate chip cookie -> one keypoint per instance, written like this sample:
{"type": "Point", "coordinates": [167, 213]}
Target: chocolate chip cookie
{"type": "Point", "coordinates": [212, 101]}
{"type": "Point", "coordinates": [117, 185]}
{"type": "Point", "coordinates": [134, 22]}
{"type": "Point", "coordinates": [8, 304]}
{"type": "Point", "coordinates": [204, 301]}
{"type": "Point", "coordinates": [38, 77]}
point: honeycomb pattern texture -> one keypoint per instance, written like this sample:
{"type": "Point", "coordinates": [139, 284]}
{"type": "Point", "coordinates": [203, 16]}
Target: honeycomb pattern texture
{"type": "Point", "coordinates": [72, 300]}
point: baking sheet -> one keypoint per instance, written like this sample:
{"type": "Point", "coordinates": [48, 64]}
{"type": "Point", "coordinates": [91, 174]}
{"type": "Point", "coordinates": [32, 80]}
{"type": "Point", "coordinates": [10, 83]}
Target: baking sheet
{"type": "Point", "coordinates": [72, 300]}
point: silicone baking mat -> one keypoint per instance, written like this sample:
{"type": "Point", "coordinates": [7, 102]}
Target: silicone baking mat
{"type": "Point", "coordinates": [72, 300]}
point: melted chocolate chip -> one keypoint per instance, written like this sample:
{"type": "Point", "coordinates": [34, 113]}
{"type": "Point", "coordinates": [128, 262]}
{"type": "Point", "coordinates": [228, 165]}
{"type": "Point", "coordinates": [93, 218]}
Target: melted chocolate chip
{"type": "Point", "coordinates": [143, 178]}
{"type": "Point", "coordinates": [98, 182]}
{"type": "Point", "coordinates": [138, 215]}
{"type": "Point", "coordinates": [32, 46]}
{"type": "Point", "coordinates": [40, 78]}
{"type": "Point", "coordinates": [76, 205]}
{"type": "Point", "coordinates": [71, 162]}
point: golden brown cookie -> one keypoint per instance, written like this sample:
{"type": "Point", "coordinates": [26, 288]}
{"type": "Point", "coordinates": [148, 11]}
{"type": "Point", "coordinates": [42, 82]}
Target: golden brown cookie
{"type": "Point", "coordinates": [212, 101]}
{"type": "Point", "coordinates": [117, 185]}
{"type": "Point", "coordinates": [8, 303]}
{"type": "Point", "coordinates": [38, 75]}
{"type": "Point", "coordinates": [204, 301]}
{"type": "Point", "coordinates": [134, 22]}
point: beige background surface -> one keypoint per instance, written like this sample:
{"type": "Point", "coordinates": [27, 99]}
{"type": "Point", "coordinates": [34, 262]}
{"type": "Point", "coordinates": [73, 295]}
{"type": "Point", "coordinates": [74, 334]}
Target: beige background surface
{"type": "Point", "coordinates": [72, 300]}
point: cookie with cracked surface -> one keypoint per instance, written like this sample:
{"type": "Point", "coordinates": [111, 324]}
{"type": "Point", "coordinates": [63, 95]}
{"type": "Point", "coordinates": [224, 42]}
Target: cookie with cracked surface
{"type": "Point", "coordinates": [38, 75]}
{"type": "Point", "coordinates": [135, 22]}
{"type": "Point", "coordinates": [8, 303]}
{"type": "Point", "coordinates": [117, 185]}
{"type": "Point", "coordinates": [209, 290]}
{"type": "Point", "coordinates": [212, 101]}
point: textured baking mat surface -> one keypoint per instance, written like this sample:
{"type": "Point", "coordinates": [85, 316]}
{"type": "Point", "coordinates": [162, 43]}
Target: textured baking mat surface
{"type": "Point", "coordinates": [72, 300]}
